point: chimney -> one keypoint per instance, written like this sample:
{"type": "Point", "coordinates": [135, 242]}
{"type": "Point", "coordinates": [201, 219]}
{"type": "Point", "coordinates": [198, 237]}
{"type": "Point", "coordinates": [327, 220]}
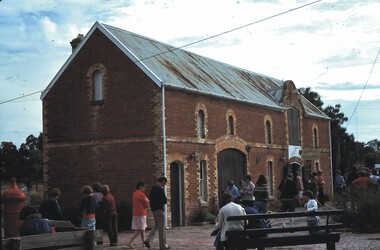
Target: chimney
{"type": "Point", "coordinates": [76, 41]}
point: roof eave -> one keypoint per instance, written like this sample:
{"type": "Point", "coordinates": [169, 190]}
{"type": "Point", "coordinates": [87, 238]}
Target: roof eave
{"type": "Point", "coordinates": [185, 89]}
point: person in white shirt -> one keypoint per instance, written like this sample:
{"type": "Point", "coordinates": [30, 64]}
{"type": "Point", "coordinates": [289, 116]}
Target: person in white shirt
{"type": "Point", "coordinates": [229, 209]}
{"type": "Point", "coordinates": [374, 177]}
{"type": "Point", "coordinates": [311, 206]}
{"type": "Point", "coordinates": [247, 191]}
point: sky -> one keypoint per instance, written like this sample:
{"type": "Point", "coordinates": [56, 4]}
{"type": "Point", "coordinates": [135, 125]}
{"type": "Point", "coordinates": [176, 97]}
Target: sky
{"type": "Point", "coordinates": [331, 46]}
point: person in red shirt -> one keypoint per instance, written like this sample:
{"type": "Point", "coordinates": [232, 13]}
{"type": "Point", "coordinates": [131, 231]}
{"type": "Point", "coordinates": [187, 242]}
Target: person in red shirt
{"type": "Point", "coordinates": [140, 204]}
{"type": "Point", "coordinates": [363, 182]}
{"type": "Point", "coordinates": [108, 207]}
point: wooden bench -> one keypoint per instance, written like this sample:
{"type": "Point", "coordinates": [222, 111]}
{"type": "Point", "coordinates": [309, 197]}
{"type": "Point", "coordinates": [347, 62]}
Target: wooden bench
{"type": "Point", "coordinates": [288, 236]}
{"type": "Point", "coordinates": [67, 237]}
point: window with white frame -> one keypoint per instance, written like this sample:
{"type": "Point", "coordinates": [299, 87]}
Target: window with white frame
{"type": "Point", "coordinates": [202, 181]}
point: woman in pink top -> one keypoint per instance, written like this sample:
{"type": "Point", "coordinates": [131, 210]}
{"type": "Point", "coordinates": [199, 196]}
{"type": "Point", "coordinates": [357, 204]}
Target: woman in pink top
{"type": "Point", "coordinates": [139, 213]}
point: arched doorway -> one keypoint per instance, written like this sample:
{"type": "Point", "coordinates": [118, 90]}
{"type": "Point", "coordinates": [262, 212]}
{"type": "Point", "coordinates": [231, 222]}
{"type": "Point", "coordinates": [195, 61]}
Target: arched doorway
{"type": "Point", "coordinates": [176, 194]}
{"type": "Point", "coordinates": [232, 165]}
{"type": "Point", "coordinates": [293, 168]}
{"type": "Point", "coordinates": [296, 167]}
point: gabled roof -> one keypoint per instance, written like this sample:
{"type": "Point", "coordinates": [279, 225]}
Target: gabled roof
{"type": "Point", "coordinates": [177, 68]}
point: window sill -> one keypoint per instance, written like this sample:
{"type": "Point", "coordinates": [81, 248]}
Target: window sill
{"type": "Point", "coordinates": [97, 103]}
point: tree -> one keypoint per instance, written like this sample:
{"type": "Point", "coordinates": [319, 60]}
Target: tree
{"type": "Point", "coordinates": [8, 160]}
{"type": "Point", "coordinates": [26, 162]}
{"type": "Point", "coordinates": [314, 98]}
{"type": "Point", "coordinates": [30, 157]}
{"type": "Point", "coordinates": [346, 152]}
{"type": "Point", "coordinates": [374, 145]}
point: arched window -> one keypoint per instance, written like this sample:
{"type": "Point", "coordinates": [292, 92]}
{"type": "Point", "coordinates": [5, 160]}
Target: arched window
{"type": "Point", "coordinates": [270, 178]}
{"type": "Point", "coordinates": [98, 85]}
{"type": "Point", "coordinates": [201, 124]}
{"type": "Point", "coordinates": [268, 133]}
{"type": "Point", "coordinates": [231, 125]}
{"type": "Point", "coordinates": [294, 127]}
{"type": "Point", "coordinates": [315, 135]}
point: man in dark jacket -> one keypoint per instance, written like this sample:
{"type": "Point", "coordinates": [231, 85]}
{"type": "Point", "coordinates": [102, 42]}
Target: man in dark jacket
{"type": "Point", "coordinates": [288, 195]}
{"type": "Point", "coordinates": [158, 200]}
{"type": "Point", "coordinates": [50, 208]}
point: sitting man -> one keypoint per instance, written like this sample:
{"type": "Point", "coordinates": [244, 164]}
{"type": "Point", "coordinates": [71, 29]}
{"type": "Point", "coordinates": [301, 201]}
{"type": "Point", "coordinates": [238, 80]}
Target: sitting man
{"type": "Point", "coordinates": [33, 223]}
{"type": "Point", "coordinates": [255, 223]}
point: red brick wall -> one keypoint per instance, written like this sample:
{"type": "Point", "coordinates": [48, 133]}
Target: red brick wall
{"type": "Point", "coordinates": [116, 143]}
{"type": "Point", "coordinates": [181, 122]}
{"type": "Point", "coordinates": [119, 142]}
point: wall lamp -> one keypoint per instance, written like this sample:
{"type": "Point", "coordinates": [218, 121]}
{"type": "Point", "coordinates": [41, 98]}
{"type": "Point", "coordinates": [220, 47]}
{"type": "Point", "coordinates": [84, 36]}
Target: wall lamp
{"type": "Point", "coordinates": [194, 155]}
{"type": "Point", "coordinates": [282, 158]}
{"type": "Point", "coordinates": [248, 147]}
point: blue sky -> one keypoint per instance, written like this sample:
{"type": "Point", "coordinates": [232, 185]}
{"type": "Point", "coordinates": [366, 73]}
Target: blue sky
{"type": "Point", "coordinates": [330, 46]}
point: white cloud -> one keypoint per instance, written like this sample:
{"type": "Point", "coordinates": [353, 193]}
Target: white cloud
{"type": "Point", "coordinates": [331, 42]}
{"type": "Point", "coordinates": [49, 28]}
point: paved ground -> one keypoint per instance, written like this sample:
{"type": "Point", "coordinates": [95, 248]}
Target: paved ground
{"type": "Point", "coordinates": [198, 238]}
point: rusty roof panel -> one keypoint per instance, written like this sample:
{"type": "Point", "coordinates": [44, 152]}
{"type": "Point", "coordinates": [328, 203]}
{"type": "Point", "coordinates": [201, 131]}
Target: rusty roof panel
{"type": "Point", "coordinates": [182, 69]}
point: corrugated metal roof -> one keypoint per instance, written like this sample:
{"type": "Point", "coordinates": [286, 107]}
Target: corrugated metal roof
{"type": "Point", "coordinates": [312, 110]}
{"type": "Point", "coordinates": [182, 69]}
{"type": "Point", "coordinates": [178, 68]}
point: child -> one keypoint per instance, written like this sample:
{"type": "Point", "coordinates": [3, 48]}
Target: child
{"type": "Point", "coordinates": [311, 206]}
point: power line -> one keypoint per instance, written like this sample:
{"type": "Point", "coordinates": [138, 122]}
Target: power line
{"type": "Point", "coordinates": [23, 96]}
{"type": "Point", "coordinates": [229, 31]}
{"type": "Point", "coordinates": [361, 94]}
{"type": "Point", "coordinates": [198, 41]}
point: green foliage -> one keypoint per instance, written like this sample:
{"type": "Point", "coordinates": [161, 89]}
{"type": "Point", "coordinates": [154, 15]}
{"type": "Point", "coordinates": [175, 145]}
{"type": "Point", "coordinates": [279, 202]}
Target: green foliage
{"type": "Point", "coordinates": [22, 163]}
{"type": "Point", "coordinates": [361, 209]}
{"type": "Point", "coordinates": [313, 97]}
{"type": "Point", "coordinates": [200, 216]}
{"type": "Point", "coordinates": [346, 152]}
{"type": "Point", "coordinates": [203, 216]}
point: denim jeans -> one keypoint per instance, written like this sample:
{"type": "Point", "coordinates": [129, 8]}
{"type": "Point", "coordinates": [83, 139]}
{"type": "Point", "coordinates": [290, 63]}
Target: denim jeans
{"type": "Point", "coordinates": [89, 223]}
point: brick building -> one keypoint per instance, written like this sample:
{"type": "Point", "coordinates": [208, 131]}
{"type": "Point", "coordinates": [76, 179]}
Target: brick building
{"type": "Point", "coordinates": [125, 108]}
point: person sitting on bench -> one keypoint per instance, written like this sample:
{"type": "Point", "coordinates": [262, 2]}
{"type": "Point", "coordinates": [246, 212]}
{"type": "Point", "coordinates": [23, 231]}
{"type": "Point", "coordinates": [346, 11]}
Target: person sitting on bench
{"type": "Point", "coordinates": [255, 223]}
{"type": "Point", "coordinates": [311, 206]}
{"type": "Point", "coordinates": [33, 223]}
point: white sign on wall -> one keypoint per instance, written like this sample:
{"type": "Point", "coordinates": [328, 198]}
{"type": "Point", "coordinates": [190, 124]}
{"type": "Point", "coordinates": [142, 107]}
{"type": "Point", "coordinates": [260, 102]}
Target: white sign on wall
{"type": "Point", "coordinates": [294, 151]}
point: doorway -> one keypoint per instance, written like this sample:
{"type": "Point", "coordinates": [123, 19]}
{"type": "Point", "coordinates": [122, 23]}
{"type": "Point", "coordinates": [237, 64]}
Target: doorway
{"type": "Point", "coordinates": [176, 194]}
{"type": "Point", "coordinates": [232, 165]}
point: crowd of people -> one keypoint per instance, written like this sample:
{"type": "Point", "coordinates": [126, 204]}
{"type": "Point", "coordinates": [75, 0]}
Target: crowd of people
{"type": "Point", "coordinates": [248, 198]}
{"type": "Point", "coordinates": [98, 206]}
{"type": "Point", "coordinates": [358, 180]}
{"type": "Point", "coordinates": [98, 210]}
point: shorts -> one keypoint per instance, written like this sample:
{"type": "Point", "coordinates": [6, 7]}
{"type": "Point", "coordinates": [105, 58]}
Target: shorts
{"type": "Point", "coordinates": [139, 222]}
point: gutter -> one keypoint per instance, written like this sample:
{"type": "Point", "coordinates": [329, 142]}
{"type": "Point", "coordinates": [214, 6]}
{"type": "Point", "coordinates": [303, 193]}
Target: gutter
{"type": "Point", "coordinates": [331, 164]}
{"type": "Point", "coordinates": [164, 145]}
{"type": "Point", "coordinates": [197, 91]}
